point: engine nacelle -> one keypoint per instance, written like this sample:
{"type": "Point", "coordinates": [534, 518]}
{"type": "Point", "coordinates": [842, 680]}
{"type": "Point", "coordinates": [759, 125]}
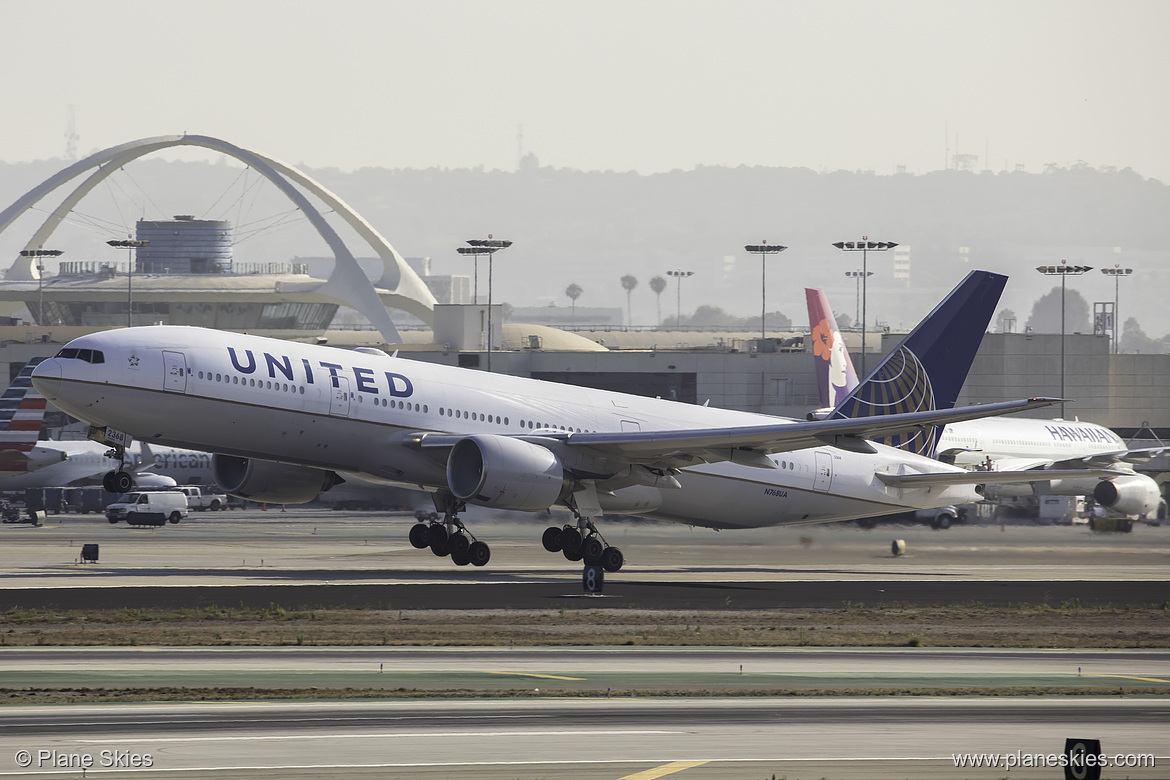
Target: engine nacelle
{"type": "Point", "coordinates": [1129, 495]}
{"type": "Point", "coordinates": [505, 473]}
{"type": "Point", "coordinates": [274, 483]}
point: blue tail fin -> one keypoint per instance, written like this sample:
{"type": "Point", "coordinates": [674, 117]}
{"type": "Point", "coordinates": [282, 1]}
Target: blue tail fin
{"type": "Point", "coordinates": [928, 368]}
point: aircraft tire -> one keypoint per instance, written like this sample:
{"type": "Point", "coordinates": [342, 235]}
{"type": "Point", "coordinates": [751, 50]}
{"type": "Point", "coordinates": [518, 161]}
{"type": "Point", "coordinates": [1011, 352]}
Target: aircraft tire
{"type": "Point", "coordinates": [108, 482]}
{"type": "Point", "coordinates": [459, 543]}
{"type": "Point", "coordinates": [570, 542]}
{"type": "Point", "coordinates": [592, 550]}
{"type": "Point", "coordinates": [612, 559]}
{"type": "Point", "coordinates": [479, 553]}
{"type": "Point", "coordinates": [418, 536]}
{"type": "Point", "coordinates": [122, 482]}
{"type": "Point", "coordinates": [440, 549]}
{"type": "Point", "coordinates": [437, 534]}
{"type": "Point", "coordinates": [572, 555]}
{"type": "Point", "coordinates": [460, 558]}
{"type": "Point", "coordinates": [551, 539]}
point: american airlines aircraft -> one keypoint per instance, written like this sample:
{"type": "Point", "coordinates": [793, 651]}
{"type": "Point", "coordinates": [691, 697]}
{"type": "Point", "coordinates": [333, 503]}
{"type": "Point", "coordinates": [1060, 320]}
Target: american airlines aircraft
{"type": "Point", "coordinates": [996, 444]}
{"type": "Point", "coordinates": [289, 420]}
{"type": "Point", "coordinates": [27, 461]}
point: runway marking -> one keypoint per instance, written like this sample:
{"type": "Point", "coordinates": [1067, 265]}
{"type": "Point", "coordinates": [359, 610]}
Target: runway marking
{"type": "Point", "coordinates": [270, 737]}
{"type": "Point", "coordinates": [663, 771]}
{"type": "Point", "coordinates": [1129, 677]}
{"type": "Point", "coordinates": [541, 676]}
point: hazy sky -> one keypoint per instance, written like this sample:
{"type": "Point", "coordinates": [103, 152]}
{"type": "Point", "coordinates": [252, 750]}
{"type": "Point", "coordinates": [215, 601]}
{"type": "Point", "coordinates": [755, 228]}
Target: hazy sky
{"type": "Point", "coordinates": [633, 84]}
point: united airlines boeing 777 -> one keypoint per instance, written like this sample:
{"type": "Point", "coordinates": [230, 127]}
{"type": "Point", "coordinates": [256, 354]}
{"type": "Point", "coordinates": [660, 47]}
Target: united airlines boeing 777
{"type": "Point", "coordinates": [288, 420]}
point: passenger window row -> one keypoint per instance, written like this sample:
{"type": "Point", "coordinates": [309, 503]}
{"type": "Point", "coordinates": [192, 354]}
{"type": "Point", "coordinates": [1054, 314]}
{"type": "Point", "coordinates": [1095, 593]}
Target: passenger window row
{"type": "Point", "coordinates": [250, 382]}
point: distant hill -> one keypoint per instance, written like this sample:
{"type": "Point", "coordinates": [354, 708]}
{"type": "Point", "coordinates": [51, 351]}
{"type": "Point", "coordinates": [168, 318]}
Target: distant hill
{"type": "Point", "coordinates": [590, 228]}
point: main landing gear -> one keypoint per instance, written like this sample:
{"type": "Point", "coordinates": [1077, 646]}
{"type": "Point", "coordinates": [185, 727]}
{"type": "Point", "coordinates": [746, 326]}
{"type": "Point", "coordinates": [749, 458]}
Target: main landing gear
{"type": "Point", "coordinates": [447, 535]}
{"type": "Point", "coordinates": [583, 542]}
{"type": "Point", "coordinates": [120, 481]}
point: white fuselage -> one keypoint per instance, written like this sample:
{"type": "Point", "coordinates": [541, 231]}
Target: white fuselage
{"type": "Point", "coordinates": [357, 413]}
{"type": "Point", "coordinates": [1019, 440]}
{"type": "Point", "coordinates": [67, 463]}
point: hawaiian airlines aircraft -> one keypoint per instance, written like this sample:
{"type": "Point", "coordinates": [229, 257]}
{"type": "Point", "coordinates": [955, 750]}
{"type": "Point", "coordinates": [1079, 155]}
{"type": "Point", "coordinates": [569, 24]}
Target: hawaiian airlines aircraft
{"type": "Point", "coordinates": [996, 444]}
{"type": "Point", "coordinates": [289, 420]}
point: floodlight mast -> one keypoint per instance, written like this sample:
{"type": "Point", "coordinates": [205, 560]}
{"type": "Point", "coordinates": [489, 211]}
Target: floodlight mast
{"type": "Point", "coordinates": [865, 246]}
{"type": "Point", "coordinates": [763, 250]}
{"type": "Point", "coordinates": [1064, 270]}
{"type": "Point", "coordinates": [40, 254]}
{"type": "Point", "coordinates": [485, 246]}
{"type": "Point", "coordinates": [1116, 272]}
{"type": "Point", "coordinates": [857, 275]}
{"type": "Point", "coordinates": [129, 244]}
{"type": "Point", "coordinates": [679, 274]}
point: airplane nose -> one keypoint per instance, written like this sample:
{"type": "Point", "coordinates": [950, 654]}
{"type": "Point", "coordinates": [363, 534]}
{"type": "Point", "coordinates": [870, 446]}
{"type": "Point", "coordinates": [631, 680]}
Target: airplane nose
{"type": "Point", "coordinates": [46, 378]}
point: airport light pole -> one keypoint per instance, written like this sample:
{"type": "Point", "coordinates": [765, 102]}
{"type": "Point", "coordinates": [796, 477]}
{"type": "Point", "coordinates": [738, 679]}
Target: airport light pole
{"type": "Point", "coordinates": [1116, 272]}
{"type": "Point", "coordinates": [679, 274]}
{"type": "Point", "coordinates": [40, 255]}
{"type": "Point", "coordinates": [1064, 270]}
{"type": "Point", "coordinates": [857, 276]}
{"type": "Point", "coordinates": [865, 246]}
{"type": "Point", "coordinates": [763, 250]}
{"type": "Point", "coordinates": [129, 244]}
{"type": "Point", "coordinates": [487, 246]}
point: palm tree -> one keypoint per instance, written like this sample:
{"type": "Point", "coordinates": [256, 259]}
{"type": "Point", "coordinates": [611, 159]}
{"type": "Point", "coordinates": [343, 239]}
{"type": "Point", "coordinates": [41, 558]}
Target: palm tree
{"type": "Point", "coordinates": [574, 292]}
{"type": "Point", "coordinates": [629, 282]}
{"type": "Point", "coordinates": [658, 284]}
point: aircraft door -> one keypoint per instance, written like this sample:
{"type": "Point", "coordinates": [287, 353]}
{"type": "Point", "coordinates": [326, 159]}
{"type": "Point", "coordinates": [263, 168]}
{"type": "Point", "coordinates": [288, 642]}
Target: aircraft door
{"type": "Point", "coordinates": [339, 404]}
{"type": "Point", "coordinates": [175, 372]}
{"type": "Point", "coordinates": [824, 474]}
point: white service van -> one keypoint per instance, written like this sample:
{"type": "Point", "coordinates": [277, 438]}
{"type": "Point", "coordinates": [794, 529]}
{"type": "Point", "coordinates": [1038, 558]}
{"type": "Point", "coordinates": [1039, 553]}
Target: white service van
{"type": "Point", "coordinates": [153, 507]}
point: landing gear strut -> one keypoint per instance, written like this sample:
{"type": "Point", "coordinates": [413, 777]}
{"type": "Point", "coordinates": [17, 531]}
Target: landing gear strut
{"type": "Point", "coordinates": [446, 535]}
{"type": "Point", "coordinates": [120, 481]}
{"type": "Point", "coordinates": [583, 542]}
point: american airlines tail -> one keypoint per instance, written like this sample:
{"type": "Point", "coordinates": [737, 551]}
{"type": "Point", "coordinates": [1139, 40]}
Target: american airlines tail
{"type": "Point", "coordinates": [927, 369]}
{"type": "Point", "coordinates": [22, 411]}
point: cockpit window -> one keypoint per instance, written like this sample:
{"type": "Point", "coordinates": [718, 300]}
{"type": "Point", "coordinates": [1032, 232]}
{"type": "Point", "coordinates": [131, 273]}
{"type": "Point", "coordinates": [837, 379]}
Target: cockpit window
{"type": "Point", "coordinates": [88, 355]}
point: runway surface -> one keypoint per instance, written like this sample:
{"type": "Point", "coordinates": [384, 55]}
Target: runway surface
{"type": "Point", "coordinates": [592, 671]}
{"type": "Point", "coordinates": [560, 738]}
{"type": "Point", "coordinates": [317, 557]}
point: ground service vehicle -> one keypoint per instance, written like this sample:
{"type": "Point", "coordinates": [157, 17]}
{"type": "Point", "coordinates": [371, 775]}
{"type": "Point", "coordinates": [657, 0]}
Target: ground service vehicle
{"type": "Point", "coordinates": [149, 508]}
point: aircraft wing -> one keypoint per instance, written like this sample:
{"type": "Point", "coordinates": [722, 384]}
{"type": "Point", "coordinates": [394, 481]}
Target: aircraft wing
{"type": "Point", "coordinates": [1106, 459]}
{"type": "Point", "coordinates": [995, 477]}
{"type": "Point", "coordinates": [748, 444]}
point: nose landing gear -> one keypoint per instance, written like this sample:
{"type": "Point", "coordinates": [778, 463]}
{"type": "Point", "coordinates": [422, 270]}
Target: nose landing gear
{"type": "Point", "coordinates": [120, 481]}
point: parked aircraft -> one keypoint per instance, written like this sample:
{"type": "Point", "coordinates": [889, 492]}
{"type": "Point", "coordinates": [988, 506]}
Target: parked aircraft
{"type": "Point", "coordinates": [1008, 443]}
{"type": "Point", "coordinates": [288, 420]}
{"type": "Point", "coordinates": [27, 461]}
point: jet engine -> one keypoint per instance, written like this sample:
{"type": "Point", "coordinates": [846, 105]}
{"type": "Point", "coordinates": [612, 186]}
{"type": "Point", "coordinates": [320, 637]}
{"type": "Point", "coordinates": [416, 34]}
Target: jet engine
{"type": "Point", "coordinates": [505, 473]}
{"type": "Point", "coordinates": [274, 483]}
{"type": "Point", "coordinates": [1129, 495]}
